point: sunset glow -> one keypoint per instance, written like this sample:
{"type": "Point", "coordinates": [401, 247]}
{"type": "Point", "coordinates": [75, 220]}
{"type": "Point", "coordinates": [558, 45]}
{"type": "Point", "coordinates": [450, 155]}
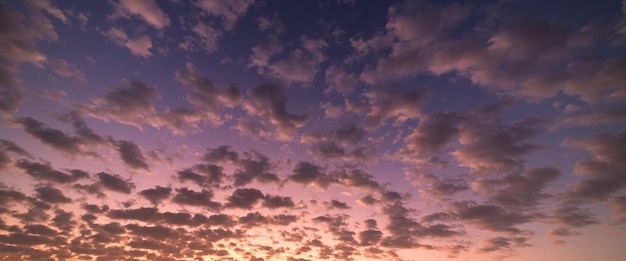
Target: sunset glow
{"type": "Point", "coordinates": [312, 130]}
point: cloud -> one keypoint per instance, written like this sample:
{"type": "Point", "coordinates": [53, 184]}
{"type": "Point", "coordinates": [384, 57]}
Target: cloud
{"type": "Point", "coordinates": [525, 190]}
{"type": "Point", "coordinates": [207, 98]}
{"type": "Point", "coordinates": [343, 143]}
{"type": "Point", "coordinates": [597, 117]}
{"type": "Point", "coordinates": [131, 155]}
{"type": "Point", "coordinates": [492, 217]}
{"type": "Point", "coordinates": [115, 183]}
{"type": "Point", "coordinates": [53, 137]}
{"type": "Point", "coordinates": [229, 12]}
{"type": "Point", "coordinates": [185, 196]}
{"type": "Point", "coordinates": [8, 147]}
{"type": "Point", "coordinates": [339, 80]}
{"type": "Point", "coordinates": [132, 106]}
{"type": "Point", "coordinates": [141, 214]}
{"type": "Point", "coordinates": [307, 173]}
{"type": "Point", "coordinates": [148, 11]}
{"type": "Point", "coordinates": [268, 104]}
{"type": "Point", "coordinates": [388, 104]}
{"type": "Point", "coordinates": [62, 68]}
{"type": "Point", "coordinates": [602, 172]}
{"type": "Point", "coordinates": [490, 147]}
{"type": "Point", "coordinates": [503, 243]}
{"type": "Point", "coordinates": [273, 202]}
{"type": "Point", "coordinates": [50, 194]}
{"type": "Point", "coordinates": [574, 217]}
{"type": "Point", "coordinates": [221, 154]}
{"type": "Point", "coordinates": [139, 45]}
{"type": "Point", "coordinates": [45, 172]}
{"type": "Point", "coordinates": [215, 175]}
{"type": "Point", "coordinates": [432, 135]}
{"type": "Point", "coordinates": [156, 195]}
{"type": "Point", "coordinates": [244, 198]}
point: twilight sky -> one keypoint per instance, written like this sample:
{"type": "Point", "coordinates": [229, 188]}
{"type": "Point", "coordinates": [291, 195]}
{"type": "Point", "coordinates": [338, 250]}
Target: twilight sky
{"type": "Point", "coordinates": [312, 130]}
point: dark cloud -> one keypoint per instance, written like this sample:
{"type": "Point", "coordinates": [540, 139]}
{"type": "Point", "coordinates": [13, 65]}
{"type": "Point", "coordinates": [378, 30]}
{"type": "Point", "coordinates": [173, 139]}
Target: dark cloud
{"type": "Point", "coordinates": [519, 190]}
{"type": "Point", "coordinates": [344, 143]}
{"type": "Point", "coordinates": [254, 166]}
{"type": "Point", "coordinates": [156, 195]}
{"type": "Point", "coordinates": [17, 46]}
{"type": "Point", "coordinates": [53, 137]}
{"type": "Point", "coordinates": [337, 226]}
{"type": "Point", "coordinates": [387, 104]}
{"type": "Point", "coordinates": [269, 102]}
{"type": "Point", "coordinates": [41, 171]}
{"type": "Point", "coordinates": [244, 198]}
{"type": "Point", "coordinates": [7, 147]}
{"type": "Point", "coordinates": [115, 183]}
{"type": "Point", "coordinates": [493, 147]}
{"type": "Point", "coordinates": [307, 173]}
{"type": "Point", "coordinates": [131, 155]}
{"type": "Point", "coordinates": [185, 196]}
{"type": "Point", "coordinates": [141, 214]}
{"type": "Point", "coordinates": [205, 96]}
{"type": "Point", "coordinates": [221, 154]}
{"type": "Point", "coordinates": [441, 187]}
{"type": "Point", "coordinates": [277, 202]}
{"type": "Point", "coordinates": [492, 217]}
{"type": "Point", "coordinates": [603, 171]}
{"type": "Point", "coordinates": [503, 243]}
{"type": "Point", "coordinates": [50, 194]}
{"type": "Point", "coordinates": [337, 205]}
{"type": "Point", "coordinates": [9, 196]}
{"type": "Point", "coordinates": [574, 217]}
{"type": "Point", "coordinates": [433, 134]}
{"type": "Point", "coordinates": [618, 204]}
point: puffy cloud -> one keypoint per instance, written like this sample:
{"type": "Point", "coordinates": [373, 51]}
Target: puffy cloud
{"type": "Point", "coordinates": [8, 147]}
{"type": "Point", "coordinates": [503, 243]}
{"type": "Point", "coordinates": [63, 68]}
{"type": "Point", "coordinates": [156, 195]}
{"type": "Point", "coordinates": [131, 155]}
{"type": "Point", "coordinates": [574, 217]}
{"type": "Point", "coordinates": [339, 80]}
{"type": "Point", "coordinates": [115, 183]}
{"type": "Point", "coordinates": [268, 103]}
{"type": "Point", "coordinates": [133, 105]}
{"type": "Point", "coordinates": [244, 198]}
{"type": "Point", "coordinates": [388, 104]}
{"type": "Point", "coordinates": [277, 202]}
{"type": "Point", "coordinates": [185, 196]}
{"type": "Point", "coordinates": [307, 173]}
{"type": "Point", "coordinates": [50, 194]}
{"type": "Point", "coordinates": [142, 214]}
{"type": "Point", "coordinates": [494, 147]}
{"type": "Point", "coordinates": [433, 134]}
{"type": "Point", "coordinates": [492, 217]}
{"type": "Point", "coordinates": [139, 45]}
{"type": "Point", "coordinates": [17, 45]}
{"type": "Point", "coordinates": [618, 204]}
{"type": "Point", "coordinates": [525, 190]}
{"type": "Point", "coordinates": [602, 173]}
{"type": "Point", "coordinates": [229, 12]}
{"type": "Point", "coordinates": [53, 137]}
{"type": "Point", "coordinates": [343, 143]}
{"type": "Point", "coordinates": [597, 117]}
{"type": "Point", "coordinates": [148, 11]}
{"type": "Point", "coordinates": [45, 172]}
{"type": "Point", "coordinates": [221, 154]}
{"type": "Point", "coordinates": [206, 97]}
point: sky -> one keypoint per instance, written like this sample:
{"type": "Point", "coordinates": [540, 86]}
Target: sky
{"type": "Point", "coordinates": [312, 130]}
